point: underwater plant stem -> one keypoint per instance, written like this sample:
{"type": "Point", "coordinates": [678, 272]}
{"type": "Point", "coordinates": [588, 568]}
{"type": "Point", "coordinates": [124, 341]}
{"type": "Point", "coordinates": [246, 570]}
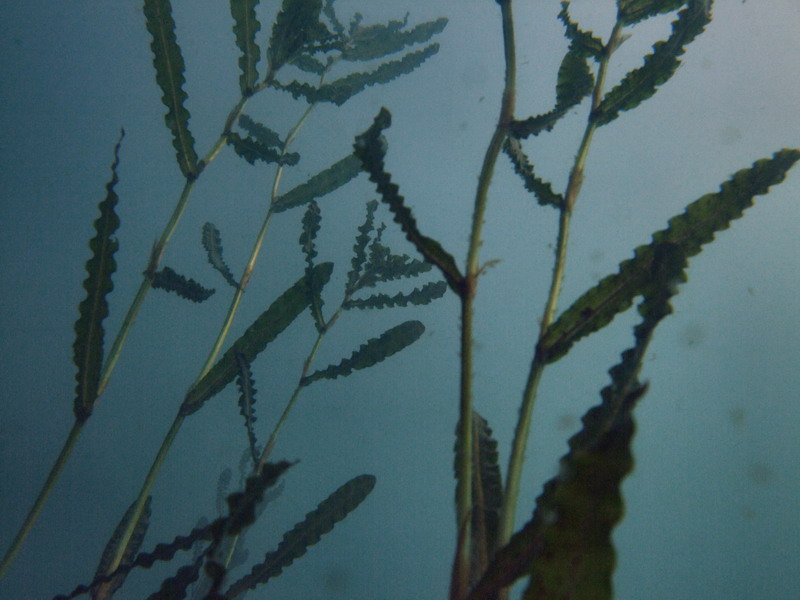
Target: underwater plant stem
{"type": "Point", "coordinates": [147, 486]}
{"type": "Point", "coordinates": [522, 429]}
{"type": "Point", "coordinates": [251, 262]}
{"type": "Point", "coordinates": [41, 499]}
{"type": "Point", "coordinates": [295, 395]}
{"type": "Point", "coordinates": [152, 265]}
{"type": "Point", "coordinates": [464, 452]}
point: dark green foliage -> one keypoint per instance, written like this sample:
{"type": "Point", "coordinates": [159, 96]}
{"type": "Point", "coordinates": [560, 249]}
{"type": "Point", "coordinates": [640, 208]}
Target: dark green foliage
{"type": "Point", "coordinates": [374, 351]}
{"type": "Point", "coordinates": [324, 182]}
{"type": "Point", "coordinates": [297, 27]}
{"type": "Point", "coordinates": [640, 84]}
{"type": "Point", "coordinates": [308, 532]}
{"type": "Point", "coordinates": [245, 27]}
{"type": "Point", "coordinates": [169, 280]}
{"type": "Point", "coordinates": [254, 340]}
{"type": "Point", "coordinates": [376, 41]}
{"type": "Point", "coordinates": [574, 83]}
{"type": "Point", "coordinates": [522, 166]}
{"type": "Point", "coordinates": [311, 221]}
{"type": "Point", "coordinates": [582, 42]}
{"type": "Point", "coordinates": [633, 11]}
{"type": "Point", "coordinates": [168, 61]}
{"type": "Point", "coordinates": [247, 400]}
{"type": "Point", "coordinates": [341, 90]}
{"type": "Point", "coordinates": [89, 332]}
{"type": "Point", "coordinates": [370, 147]}
{"type": "Point", "coordinates": [212, 242]}
{"type": "Point", "coordinates": [107, 589]}
{"type": "Point", "coordinates": [360, 247]}
{"type": "Point", "coordinates": [425, 295]}
{"type": "Point", "coordinates": [566, 547]}
{"type": "Point", "coordinates": [689, 230]}
{"type": "Point", "coordinates": [262, 144]}
{"type": "Point", "coordinates": [487, 496]}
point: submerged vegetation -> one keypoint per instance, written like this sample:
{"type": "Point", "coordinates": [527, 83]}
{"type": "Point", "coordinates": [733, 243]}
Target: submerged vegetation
{"type": "Point", "coordinates": [318, 57]}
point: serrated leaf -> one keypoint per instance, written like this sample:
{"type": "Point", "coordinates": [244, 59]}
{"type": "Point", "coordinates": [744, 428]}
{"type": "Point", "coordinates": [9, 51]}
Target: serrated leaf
{"type": "Point", "coordinates": [260, 132]}
{"type": "Point", "coordinates": [376, 350]}
{"type": "Point", "coordinates": [168, 61]}
{"type": "Point", "coordinates": [578, 510]}
{"type": "Point", "coordinates": [341, 90]}
{"type": "Point", "coordinates": [252, 150]}
{"type": "Point", "coordinates": [424, 295]}
{"type": "Point", "coordinates": [487, 497]}
{"type": "Point", "coordinates": [360, 246]}
{"type": "Point", "coordinates": [89, 333]}
{"type": "Point", "coordinates": [582, 42]}
{"type": "Point", "coordinates": [541, 189]}
{"type": "Point", "coordinates": [566, 547]}
{"type": "Point", "coordinates": [311, 221]}
{"type": "Point", "coordinates": [308, 532]}
{"type": "Point", "coordinates": [247, 400]}
{"type": "Point", "coordinates": [376, 41]}
{"type": "Point", "coordinates": [384, 266]}
{"type": "Point", "coordinates": [690, 230]}
{"type": "Point", "coordinates": [245, 28]}
{"type": "Point", "coordinates": [212, 242]}
{"type": "Point", "coordinates": [107, 589]}
{"type": "Point", "coordinates": [575, 82]}
{"type": "Point", "coordinates": [640, 84]}
{"type": "Point", "coordinates": [370, 149]}
{"type": "Point", "coordinates": [630, 12]}
{"type": "Point", "coordinates": [324, 182]}
{"type": "Point", "coordinates": [170, 281]}
{"type": "Point", "coordinates": [296, 26]}
{"type": "Point", "coordinates": [271, 323]}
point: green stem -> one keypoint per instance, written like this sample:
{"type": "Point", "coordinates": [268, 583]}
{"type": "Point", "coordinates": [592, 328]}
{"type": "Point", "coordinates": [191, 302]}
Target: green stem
{"type": "Point", "coordinates": [522, 430]}
{"type": "Point", "coordinates": [147, 486]}
{"type": "Point", "coordinates": [47, 488]}
{"type": "Point", "coordinates": [464, 452]}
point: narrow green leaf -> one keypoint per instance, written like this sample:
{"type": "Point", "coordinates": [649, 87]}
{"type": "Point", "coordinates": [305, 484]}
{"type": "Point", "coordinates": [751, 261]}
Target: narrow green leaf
{"type": "Point", "coordinates": [541, 189]}
{"type": "Point", "coordinates": [370, 147]}
{"type": "Point", "coordinates": [170, 281]}
{"type": "Point", "coordinates": [107, 589]}
{"type": "Point", "coordinates": [296, 26]}
{"type": "Point", "coordinates": [640, 84]}
{"type": "Point", "coordinates": [251, 149]}
{"type": "Point", "coordinates": [376, 41]}
{"type": "Point", "coordinates": [212, 242]}
{"type": "Point", "coordinates": [566, 547]}
{"type": "Point", "coordinates": [324, 182]}
{"type": "Point", "coordinates": [424, 295]}
{"type": "Point", "coordinates": [575, 82]}
{"type": "Point", "coordinates": [341, 90]}
{"type": "Point", "coordinates": [487, 497]}
{"type": "Point", "coordinates": [311, 221]}
{"type": "Point", "coordinates": [93, 309]}
{"type": "Point", "coordinates": [376, 350]}
{"type": "Point", "coordinates": [245, 28]}
{"type": "Point", "coordinates": [360, 246]}
{"type": "Point", "coordinates": [690, 230]}
{"type": "Point", "coordinates": [632, 11]}
{"type": "Point", "coordinates": [306, 533]}
{"type": "Point", "coordinates": [168, 61]}
{"type": "Point", "coordinates": [582, 42]}
{"type": "Point", "coordinates": [263, 134]}
{"type": "Point", "coordinates": [255, 339]}
{"type": "Point", "coordinates": [247, 400]}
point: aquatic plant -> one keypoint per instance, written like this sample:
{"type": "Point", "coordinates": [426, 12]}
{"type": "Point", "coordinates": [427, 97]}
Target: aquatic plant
{"type": "Point", "coordinates": [565, 548]}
